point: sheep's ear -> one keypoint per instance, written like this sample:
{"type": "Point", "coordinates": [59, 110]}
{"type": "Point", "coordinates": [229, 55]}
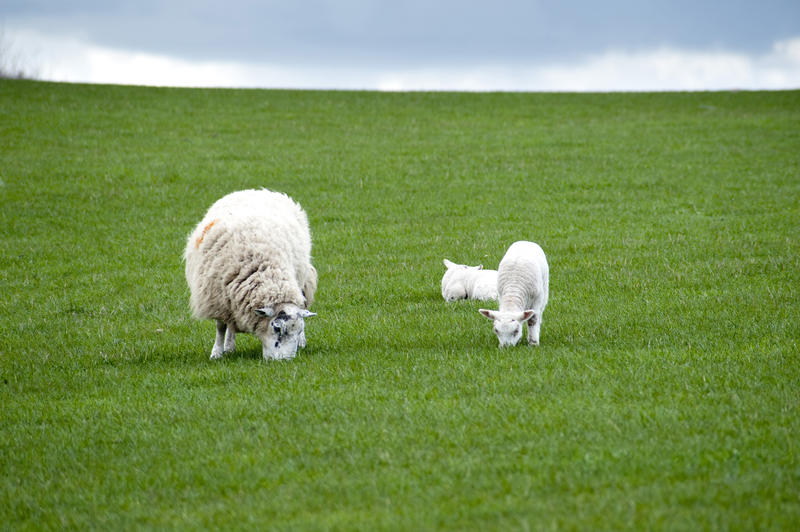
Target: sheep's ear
{"type": "Point", "coordinates": [528, 314]}
{"type": "Point", "coordinates": [448, 264]}
{"type": "Point", "coordinates": [306, 314]}
{"type": "Point", "coordinates": [265, 312]}
{"type": "Point", "coordinates": [488, 313]}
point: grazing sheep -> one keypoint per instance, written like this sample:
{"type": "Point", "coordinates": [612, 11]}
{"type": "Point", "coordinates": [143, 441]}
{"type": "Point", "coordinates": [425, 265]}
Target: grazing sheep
{"type": "Point", "coordinates": [522, 283]}
{"type": "Point", "coordinates": [248, 265]}
{"type": "Point", "coordinates": [468, 282]}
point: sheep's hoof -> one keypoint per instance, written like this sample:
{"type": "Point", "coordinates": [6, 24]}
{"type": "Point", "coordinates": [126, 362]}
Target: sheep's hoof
{"type": "Point", "coordinates": [216, 355]}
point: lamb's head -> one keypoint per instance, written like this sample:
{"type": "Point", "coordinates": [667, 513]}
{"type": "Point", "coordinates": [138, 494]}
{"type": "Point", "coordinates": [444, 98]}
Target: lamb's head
{"type": "Point", "coordinates": [508, 325]}
{"type": "Point", "coordinates": [454, 280]}
{"type": "Point", "coordinates": [282, 330]}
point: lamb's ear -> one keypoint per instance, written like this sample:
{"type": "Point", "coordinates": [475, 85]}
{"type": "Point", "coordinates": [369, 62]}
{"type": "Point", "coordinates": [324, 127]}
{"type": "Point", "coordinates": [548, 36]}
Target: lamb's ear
{"type": "Point", "coordinates": [528, 314]}
{"type": "Point", "coordinates": [305, 314]}
{"type": "Point", "coordinates": [488, 313]}
{"type": "Point", "coordinates": [448, 264]}
{"type": "Point", "coordinates": [265, 312]}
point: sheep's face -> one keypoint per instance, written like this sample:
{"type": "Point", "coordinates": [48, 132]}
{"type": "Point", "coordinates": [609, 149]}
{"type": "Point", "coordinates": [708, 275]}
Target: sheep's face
{"type": "Point", "coordinates": [453, 291]}
{"type": "Point", "coordinates": [282, 332]}
{"type": "Point", "coordinates": [507, 325]}
{"type": "Point", "coordinates": [453, 287]}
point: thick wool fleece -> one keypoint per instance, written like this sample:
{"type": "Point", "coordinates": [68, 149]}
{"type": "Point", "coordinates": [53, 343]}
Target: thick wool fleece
{"type": "Point", "coordinates": [251, 250]}
{"type": "Point", "coordinates": [523, 278]}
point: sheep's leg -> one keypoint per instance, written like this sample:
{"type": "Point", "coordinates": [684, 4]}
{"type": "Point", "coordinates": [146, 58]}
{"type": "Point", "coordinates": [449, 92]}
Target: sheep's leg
{"type": "Point", "coordinates": [534, 324]}
{"type": "Point", "coordinates": [219, 341]}
{"type": "Point", "coordinates": [230, 339]}
{"type": "Point", "coordinates": [301, 341]}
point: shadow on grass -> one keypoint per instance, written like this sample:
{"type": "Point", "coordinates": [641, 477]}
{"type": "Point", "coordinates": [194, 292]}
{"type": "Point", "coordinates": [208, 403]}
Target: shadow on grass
{"type": "Point", "coordinates": [245, 354]}
{"type": "Point", "coordinates": [182, 354]}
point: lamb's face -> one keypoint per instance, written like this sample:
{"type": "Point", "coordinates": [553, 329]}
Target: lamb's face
{"type": "Point", "coordinates": [283, 332]}
{"type": "Point", "coordinates": [453, 287]}
{"type": "Point", "coordinates": [507, 325]}
{"type": "Point", "coordinates": [453, 291]}
{"type": "Point", "coordinates": [508, 331]}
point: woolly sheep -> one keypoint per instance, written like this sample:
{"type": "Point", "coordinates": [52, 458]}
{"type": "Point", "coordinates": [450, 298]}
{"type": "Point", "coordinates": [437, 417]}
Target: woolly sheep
{"type": "Point", "coordinates": [522, 284]}
{"type": "Point", "coordinates": [468, 282]}
{"type": "Point", "coordinates": [248, 266]}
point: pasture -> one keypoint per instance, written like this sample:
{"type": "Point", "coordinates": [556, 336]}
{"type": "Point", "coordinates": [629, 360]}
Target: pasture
{"type": "Point", "coordinates": [664, 395]}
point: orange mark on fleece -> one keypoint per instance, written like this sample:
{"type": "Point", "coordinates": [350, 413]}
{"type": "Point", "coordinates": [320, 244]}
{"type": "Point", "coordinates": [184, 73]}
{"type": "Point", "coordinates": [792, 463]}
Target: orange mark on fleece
{"type": "Point", "coordinates": [203, 234]}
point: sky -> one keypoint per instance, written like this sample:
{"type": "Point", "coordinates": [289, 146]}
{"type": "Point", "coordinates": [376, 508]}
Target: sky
{"type": "Point", "coordinates": [400, 45]}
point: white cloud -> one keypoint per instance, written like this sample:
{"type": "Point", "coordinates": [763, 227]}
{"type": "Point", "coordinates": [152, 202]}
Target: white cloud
{"type": "Point", "coordinates": [75, 60]}
{"type": "Point", "coordinates": [647, 70]}
{"type": "Point", "coordinates": [72, 59]}
{"type": "Point", "coordinates": [672, 69]}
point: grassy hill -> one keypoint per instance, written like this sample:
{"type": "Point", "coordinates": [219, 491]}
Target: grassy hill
{"type": "Point", "coordinates": [664, 394]}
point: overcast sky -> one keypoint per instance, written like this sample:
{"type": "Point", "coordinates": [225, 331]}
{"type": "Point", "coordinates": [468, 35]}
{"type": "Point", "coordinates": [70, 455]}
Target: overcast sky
{"type": "Point", "coordinates": [570, 45]}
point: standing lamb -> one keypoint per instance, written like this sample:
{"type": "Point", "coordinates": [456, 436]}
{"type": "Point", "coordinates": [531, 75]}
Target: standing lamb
{"type": "Point", "coordinates": [468, 282]}
{"type": "Point", "coordinates": [248, 265]}
{"type": "Point", "coordinates": [522, 283]}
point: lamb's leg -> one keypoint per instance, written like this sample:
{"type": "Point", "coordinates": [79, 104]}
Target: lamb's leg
{"type": "Point", "coordinates": [230, 339]}
{"type": "Point", "coordinates": [219, 341]}
{"type": "Point", "coordinates": [534, 324]}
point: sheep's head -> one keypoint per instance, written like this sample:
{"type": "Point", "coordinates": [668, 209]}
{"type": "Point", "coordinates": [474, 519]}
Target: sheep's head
{"type": "Point", "coordinates": [453, 281]}
{"type": "Point", "coordinates": [508, 325]}
{"type": "Point", "coordinates": [282, 330]}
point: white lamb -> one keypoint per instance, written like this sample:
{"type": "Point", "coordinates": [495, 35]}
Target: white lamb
{"type": "Point", "coordinates": [468, 282]}
{"type": "Point", "coordinates": [248, 265]}
{"type": "Point", "coordinates": [522, 283]}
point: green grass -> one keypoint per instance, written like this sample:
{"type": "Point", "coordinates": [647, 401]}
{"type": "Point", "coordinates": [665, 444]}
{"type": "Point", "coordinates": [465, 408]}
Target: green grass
{"type": "Point", "coordinates": [665, 394]}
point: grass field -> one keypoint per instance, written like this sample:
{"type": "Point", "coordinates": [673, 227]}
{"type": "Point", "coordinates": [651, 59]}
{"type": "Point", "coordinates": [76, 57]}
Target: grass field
{"type": "Point", "coordinates": [664, 396]}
